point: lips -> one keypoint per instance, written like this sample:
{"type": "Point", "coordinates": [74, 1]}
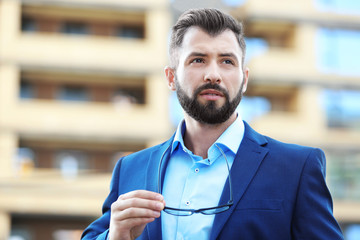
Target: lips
{"type": "Point", "coordinates": [211, 94]}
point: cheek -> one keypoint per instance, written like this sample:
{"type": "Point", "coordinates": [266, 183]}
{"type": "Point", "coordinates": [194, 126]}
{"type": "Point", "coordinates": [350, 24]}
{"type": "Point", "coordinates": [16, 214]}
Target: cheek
{"type": "Point", "coordinates": [234, 84]}
{"type": "Point", "coordinates": [190, 82]}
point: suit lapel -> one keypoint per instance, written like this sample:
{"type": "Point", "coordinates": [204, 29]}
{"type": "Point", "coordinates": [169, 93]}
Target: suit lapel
{"type": "Point", "coordinates": [154, 228]}
{"type": "Point", "coordinates": [248, 159]}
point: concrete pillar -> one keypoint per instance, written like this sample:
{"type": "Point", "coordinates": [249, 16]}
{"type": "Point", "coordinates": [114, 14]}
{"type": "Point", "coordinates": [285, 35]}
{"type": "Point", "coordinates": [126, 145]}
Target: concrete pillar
{"type": "Point", "coordinates": [311, 111]}
{"type": "Point", "coordinates": [305, 42]}
{"type": "Point", "coordinates": [9, 78]}
{"type": "Point", "coordinates": [8, 147]}
{"type": "Point", "coordinates": [5, 225]}
{"type": "Point", "coordinates": [10, 11]}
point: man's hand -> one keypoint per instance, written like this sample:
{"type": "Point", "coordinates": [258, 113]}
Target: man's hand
{"type": "Point", "coordinates": [132, 211]}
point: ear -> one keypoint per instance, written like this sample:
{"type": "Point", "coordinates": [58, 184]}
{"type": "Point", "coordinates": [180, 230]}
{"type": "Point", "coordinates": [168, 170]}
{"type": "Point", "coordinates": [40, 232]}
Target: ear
{"type": "Point", "coordinates": [170, 77]}
{"type": "Point", "coordinates": [245, 79]}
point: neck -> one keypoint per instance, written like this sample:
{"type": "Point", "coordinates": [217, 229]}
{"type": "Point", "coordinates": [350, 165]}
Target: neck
{"type": "Point", "coordinates": [199, 137]}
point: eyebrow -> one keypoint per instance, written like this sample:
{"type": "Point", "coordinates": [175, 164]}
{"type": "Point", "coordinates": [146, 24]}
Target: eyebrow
{"type": "Point", "coordinates": [199, 54]}
{"type": "Point", "coordinates": [196, 54]}
{"type": "Point", "coordinates": [232, 55]}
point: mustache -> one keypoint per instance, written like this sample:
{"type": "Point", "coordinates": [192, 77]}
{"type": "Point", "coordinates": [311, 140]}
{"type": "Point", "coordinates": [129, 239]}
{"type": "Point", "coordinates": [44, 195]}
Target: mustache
{"type": "Point", "coordinates": [210, 86]}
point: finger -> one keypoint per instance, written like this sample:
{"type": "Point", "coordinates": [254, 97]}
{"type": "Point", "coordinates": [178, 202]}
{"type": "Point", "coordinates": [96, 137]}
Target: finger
{"type": "Point", "coordinates": [137, 203]}
{"type": "Point", "coordinates": [135, 213]}
{"type": "Point", "coordinates": [142, 194]}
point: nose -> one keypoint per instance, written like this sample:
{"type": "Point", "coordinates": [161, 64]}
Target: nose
{"type": "Point", "coordinates": [212, 74]}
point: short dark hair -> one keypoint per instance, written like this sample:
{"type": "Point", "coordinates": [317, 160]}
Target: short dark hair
{"type": "Point", "coordinates": [212, 21]}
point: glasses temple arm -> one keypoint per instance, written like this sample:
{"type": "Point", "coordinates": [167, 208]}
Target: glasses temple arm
{"type": "Point", "coordinates": [159, 170]}
{"type": "Point", "coordinates": [228, 167]}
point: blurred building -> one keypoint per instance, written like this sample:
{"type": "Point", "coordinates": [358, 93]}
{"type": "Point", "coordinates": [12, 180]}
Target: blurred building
{"type": "Point", "coordinates": [305, 86]}
{"type": "Point", "coordinates": [81, 83]}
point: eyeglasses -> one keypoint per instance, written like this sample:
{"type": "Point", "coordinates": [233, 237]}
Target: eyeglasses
{"type": "Point", "coordinates": [205, 211]}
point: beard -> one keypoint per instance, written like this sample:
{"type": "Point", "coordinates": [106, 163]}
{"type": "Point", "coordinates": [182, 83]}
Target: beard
{"type": "Point", "coordinates": [208, 113]}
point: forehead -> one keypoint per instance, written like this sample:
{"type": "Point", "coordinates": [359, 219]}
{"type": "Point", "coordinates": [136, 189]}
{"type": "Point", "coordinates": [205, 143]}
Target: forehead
{"type": "Point", "coordinates": [196, 39]}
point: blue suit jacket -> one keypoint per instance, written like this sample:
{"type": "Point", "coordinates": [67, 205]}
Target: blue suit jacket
{"type": "Point", "coordinates": [279, 192]}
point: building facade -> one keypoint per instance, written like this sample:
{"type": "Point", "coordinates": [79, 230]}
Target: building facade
{"type": "Point", "coordinates": [303, 76]}
{"type": "Point", "coordinates": [82, 84]}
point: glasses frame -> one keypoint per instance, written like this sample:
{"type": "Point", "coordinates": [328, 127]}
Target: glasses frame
{"type": "Point", "coordinates": [205, 211]}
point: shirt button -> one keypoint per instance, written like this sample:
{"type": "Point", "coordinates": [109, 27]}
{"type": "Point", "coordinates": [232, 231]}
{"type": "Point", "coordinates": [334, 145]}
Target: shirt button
{"type": "Point", "coordinates": [187, 203]}
{"type": "Point", "coordinates": [196, 170]}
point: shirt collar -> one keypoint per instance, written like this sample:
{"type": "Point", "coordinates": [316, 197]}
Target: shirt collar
{"type": "Point", "coordinates": [178, 139]}
{"type": "Point", "coordinates": [229, 140]}
{"type": "Point", "coordinates": [232, 136]}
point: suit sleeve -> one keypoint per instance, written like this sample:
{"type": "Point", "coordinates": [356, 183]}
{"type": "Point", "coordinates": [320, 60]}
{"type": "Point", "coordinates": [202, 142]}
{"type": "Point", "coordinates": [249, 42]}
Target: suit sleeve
{"type": "Point", "coordinates": [99, 229]}
{"type": "Point", "coordinates": [313, 217]}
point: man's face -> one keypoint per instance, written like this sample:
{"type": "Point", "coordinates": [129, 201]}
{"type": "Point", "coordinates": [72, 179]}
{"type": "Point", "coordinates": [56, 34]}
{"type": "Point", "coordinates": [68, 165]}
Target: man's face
{"type": "Point", "coordinates": [209, 78]}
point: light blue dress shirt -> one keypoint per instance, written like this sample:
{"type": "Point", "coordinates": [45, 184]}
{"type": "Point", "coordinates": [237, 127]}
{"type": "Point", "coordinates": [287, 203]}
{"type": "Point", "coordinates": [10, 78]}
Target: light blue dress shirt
{"type": "Point", "coordinates": [193, 182]}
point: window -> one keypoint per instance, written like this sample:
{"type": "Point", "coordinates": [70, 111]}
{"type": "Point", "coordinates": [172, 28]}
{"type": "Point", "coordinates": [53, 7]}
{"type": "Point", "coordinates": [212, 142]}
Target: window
{"type": "Point", "coordinates": [27, 90]}
{"type": "Point", "coordinates": [255, 47]}
{"type": "Point", "coordinates": [30, 89]}
{"type": "Point", "coordinates": [24, 160]}
{"type": "Point", "coordinates": [130, 95]}
{"type": "Point", "coordinates": [342, 108]}
{"type": "Point", "coordinates": [75, 28]}
{"type": "Point", "coordinates": [70, 162]}
{"type": "Point", "coordinates": [64, 86]}
{"type": "Point", "coordinates": [130, 32]}
{"type": "Point", "coordinates": [72, 93]}
{"type": "Point", "coordinates": [343, 173]}
{"type": "Point", "coordinates": [338, 51]}
{"type": "Point", "coordinates": [71, 157]}
{"type": "Point", "coordinates": [20, 233]}
{"type": "Point", "coordinates": [83, 21]}
{"type": "Point", "coordinates": [28, 25]}
{"type": "Point", "coordinates": [251, 108]}
{"type": "Point", "coordinates": [276, 98]}
{"type": "Point", "coordinates": [339, 6]}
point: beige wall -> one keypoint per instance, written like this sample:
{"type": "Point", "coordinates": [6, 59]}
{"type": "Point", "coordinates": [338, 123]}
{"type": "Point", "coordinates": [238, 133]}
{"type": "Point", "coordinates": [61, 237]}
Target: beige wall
{"type": "Point", "coordinates": [46, 191]}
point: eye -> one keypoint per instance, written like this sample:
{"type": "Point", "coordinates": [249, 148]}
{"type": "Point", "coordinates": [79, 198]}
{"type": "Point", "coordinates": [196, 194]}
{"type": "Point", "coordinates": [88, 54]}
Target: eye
{"type": "Point", "coordinates": [228, 61]}
{"type": "Point", "coordinates": [197, 60]}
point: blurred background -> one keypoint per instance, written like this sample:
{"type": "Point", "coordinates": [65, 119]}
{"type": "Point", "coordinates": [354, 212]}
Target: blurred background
{"type": "Point", "coordinates": [82, 84]}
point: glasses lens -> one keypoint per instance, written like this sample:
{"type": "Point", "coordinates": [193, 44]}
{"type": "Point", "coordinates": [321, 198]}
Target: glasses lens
{"type": "Point", "coordinates": [178, 212]}
{"type": "Point", "coordinates": [215, 210]}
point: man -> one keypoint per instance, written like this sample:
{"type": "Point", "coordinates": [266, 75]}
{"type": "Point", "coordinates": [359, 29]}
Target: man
{"type": "Point", "coordinates": [216, 178]}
